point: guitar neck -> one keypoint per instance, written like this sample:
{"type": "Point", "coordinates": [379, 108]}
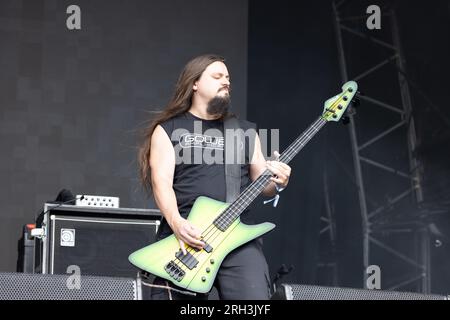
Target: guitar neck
{"type": "Point", "coordinates": [226, 218]}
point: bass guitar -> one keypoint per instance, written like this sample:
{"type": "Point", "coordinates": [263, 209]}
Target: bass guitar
{"type": "Point", "coordinates": [222, 230]}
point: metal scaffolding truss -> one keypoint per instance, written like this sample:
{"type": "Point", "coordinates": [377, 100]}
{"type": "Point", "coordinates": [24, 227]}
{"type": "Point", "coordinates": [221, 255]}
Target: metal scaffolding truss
{"type": "Point", "coordinates": [328, 260]}
{"type": "Point", "coordinates": [374, 233]}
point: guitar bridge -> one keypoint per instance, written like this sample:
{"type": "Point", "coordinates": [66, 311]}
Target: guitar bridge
{"type": "Point", "coordinates": [174, 271]}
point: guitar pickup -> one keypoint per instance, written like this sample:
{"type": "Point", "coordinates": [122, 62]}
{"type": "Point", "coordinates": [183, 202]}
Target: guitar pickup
{"type": "Point", "coordinates": [206, 247]}
{"type": "Point", "coordinates": [187, 259]}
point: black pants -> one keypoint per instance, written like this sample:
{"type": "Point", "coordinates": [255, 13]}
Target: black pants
{"type": "Point", "coordinates": [243, 275]}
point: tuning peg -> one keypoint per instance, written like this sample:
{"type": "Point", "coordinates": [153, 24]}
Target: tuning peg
{"type": "Point", "coordinates": [345, 120]}
{"type": "Point", "coordinates": [356, 102]}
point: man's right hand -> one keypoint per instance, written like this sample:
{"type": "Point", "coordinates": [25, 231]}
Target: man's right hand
{"type": "Point", "coordinates": [162, 165]}
{"type": "Point", "coordinates": [186, 233]}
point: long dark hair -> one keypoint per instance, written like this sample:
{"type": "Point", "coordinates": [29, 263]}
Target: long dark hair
{"type": "Point", "coordinates": [179, 103]}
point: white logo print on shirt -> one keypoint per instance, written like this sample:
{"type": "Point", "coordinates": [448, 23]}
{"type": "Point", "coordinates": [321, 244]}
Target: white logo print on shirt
{"type": "Point", "coordinates": [201, 141]}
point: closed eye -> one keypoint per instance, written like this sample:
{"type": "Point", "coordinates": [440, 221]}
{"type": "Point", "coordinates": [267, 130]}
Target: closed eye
{"type": "Point", "coordinates": [220, 75]}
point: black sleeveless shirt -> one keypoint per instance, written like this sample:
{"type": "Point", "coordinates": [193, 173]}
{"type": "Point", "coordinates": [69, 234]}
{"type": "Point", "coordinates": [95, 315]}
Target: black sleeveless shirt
{"type": "Point", "coordinates": [199, 162]}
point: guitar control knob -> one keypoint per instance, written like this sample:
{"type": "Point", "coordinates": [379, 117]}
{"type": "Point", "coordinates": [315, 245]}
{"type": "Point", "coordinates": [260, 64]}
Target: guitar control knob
{"type": "Point", "coordinates": [211, 261]}
{"type": "Point", "coordinates": [208, 270]}
{"type": "Point", "coordinates": [203, 278]}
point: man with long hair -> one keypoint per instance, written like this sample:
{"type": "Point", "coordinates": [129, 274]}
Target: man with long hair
{"type": "Point", "coordinates": [169, 167]}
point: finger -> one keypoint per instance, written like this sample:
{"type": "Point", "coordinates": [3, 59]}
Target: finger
{"type": "Point", "coordinates": [273, 170]}
{"type": "Point", "coordinates": [279, 165]}
{"type": "Point", "coordinates": [189, 230]}
{"type": "Point", "coordinates": [281, 168]}
{"type": "Point", "coordinates": [182, 246]}
{"type": "Point", "coordinates": [198, 245]}
{"type": "Point", "coordinates": [277, 159]}
{"type": "Point", "coordinates": [277, 181]}
{"type": "Point", "coordinates": [276, 171]}
{"type": "Point", "coordinates": [284, 166]}
{"type": "Point", "coordinates": [194, 233]}
{"type": "Point", "coordinates": [193, 242]}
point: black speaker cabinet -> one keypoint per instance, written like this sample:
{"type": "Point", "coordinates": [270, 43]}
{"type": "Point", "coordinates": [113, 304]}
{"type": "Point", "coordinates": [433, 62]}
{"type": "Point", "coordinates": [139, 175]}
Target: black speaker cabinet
{"type": "Point", "coordinates": [308, 292]}
{"type": "Point", "coordinates": [25, 250]}
{"type": "Point", "coordinates": [26, 286]}
{"type": "Point", "coordinates": [95, 241]}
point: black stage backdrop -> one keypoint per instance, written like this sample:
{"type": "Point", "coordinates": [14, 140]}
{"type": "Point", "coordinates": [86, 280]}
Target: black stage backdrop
{"type": "Point", "coordinates": [71, 102]}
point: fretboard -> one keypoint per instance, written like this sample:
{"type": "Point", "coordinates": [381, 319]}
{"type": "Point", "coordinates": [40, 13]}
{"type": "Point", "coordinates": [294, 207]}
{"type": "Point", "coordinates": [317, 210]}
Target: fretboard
{"type": "Point", "coordinates": [228, 216]}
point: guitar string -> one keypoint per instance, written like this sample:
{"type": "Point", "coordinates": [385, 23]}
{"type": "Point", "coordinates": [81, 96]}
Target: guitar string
{"type": "Point", "coordinates": [267, 175]}
{"type": "Point", "coordinates": [252, 193]}
{"type": "Point", "coordinates": [224, 221]}
{"type": "Point", "coordinates": [316, 126]}
{"type": "Point", "coordinates": [290, 154]}
{"type": "Point", "coordinates": [301, 141]}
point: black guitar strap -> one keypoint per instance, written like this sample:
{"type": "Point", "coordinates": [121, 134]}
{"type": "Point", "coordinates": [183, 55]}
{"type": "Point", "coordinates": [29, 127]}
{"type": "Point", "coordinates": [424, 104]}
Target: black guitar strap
{"type": "Point", "coordinates": [234, 151]}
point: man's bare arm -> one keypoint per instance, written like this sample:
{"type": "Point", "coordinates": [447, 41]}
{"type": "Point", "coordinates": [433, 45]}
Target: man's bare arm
{"type": "Point", "coordinates": [162, 165]}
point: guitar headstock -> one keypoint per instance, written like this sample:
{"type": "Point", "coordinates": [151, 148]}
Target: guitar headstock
{"type": "Point", "coordinates": [335, 107]}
